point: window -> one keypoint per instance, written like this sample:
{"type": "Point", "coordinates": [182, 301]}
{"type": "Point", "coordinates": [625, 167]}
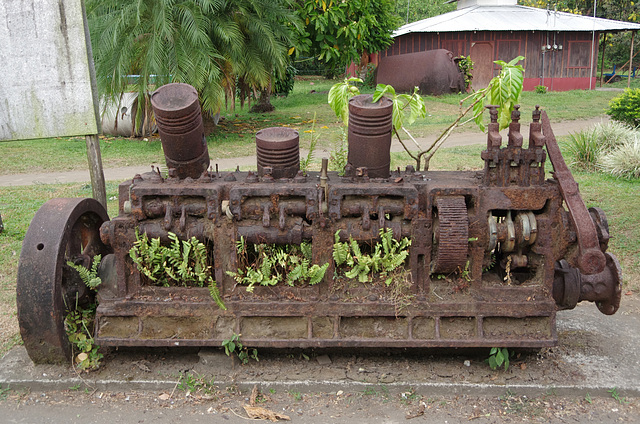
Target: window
{"type": "Point", "coordinates": [579, 54]}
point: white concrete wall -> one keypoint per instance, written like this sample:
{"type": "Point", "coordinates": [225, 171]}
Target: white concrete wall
{"type": "Point", "coordinates": [45, 84]}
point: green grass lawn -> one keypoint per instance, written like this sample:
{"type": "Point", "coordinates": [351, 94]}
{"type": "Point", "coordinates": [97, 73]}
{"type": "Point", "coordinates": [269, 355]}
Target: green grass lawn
{"type": "Point", "coordinates": [235, 135]}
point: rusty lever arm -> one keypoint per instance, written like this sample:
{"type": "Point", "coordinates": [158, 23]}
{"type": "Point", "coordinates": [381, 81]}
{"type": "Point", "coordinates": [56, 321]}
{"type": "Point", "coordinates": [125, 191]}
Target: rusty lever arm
{"type": "Point", "coordinates": [591, 259]}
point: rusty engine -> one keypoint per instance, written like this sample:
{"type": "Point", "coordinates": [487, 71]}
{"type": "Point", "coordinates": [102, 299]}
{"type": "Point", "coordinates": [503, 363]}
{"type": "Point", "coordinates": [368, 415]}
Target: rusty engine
{"type": "Point", "coordinates": [493, 254]}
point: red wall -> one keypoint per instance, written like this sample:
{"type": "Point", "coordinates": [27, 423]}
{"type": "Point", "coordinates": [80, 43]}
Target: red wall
{"type": "Point", "coordinates": [559, 84]}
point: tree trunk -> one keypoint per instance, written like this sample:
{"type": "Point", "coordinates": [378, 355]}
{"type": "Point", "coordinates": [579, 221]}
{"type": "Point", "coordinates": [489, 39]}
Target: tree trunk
{"type": "Point", "coordinates": [264, 102]}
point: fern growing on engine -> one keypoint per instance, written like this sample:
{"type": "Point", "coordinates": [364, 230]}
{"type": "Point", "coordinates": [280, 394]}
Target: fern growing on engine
{"type": "Point", "coordinates": [388, 255]}
{"type": "Point", "coordinates": [89, 276]}
{"type": "Point", "coordinates": [182, 262]}
{"type": "Point", "coordinates": [270, 264]}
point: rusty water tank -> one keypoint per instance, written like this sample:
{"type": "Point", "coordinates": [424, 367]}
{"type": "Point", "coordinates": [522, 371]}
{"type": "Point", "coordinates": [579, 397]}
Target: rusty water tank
{"type": "Point", "coordinates": [278, 148]}
{"type": "Point", "coordinates": [433, 72]}
{"type": "Point", "coordinates": [177, 111]}
{"type": "Point", "coordinates": [370, 127]}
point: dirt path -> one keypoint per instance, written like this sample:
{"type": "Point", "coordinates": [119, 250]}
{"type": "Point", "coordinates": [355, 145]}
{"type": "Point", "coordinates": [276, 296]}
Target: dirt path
{"type": "Point", "coordinates": [122, 173]}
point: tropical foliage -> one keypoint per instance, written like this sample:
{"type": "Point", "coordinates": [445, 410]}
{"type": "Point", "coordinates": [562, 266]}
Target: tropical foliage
{"type": "Point", "coordinates": [339, 96]}
{"type": "Point", "coordinates": [503, 90]}
{"type": "Point", "coordinates": [412, 11]}
{"type": "Point", "coordinates": [221, 47]}
{"type": "Point", "coordinates": [407, 107]}
{"type": "Point", "coordinates": [626, 108]}
{"type": "Point", "coordinates": [339, 32]}
{"type": "Point", "coordinates": [619, 10]}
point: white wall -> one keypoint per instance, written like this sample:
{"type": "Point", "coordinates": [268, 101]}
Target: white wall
{"type": "Point", "coordinates": [45, 85]}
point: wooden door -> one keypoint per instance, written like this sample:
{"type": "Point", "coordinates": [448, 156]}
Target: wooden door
{"type": "Point", "coordinates": [482, 56]}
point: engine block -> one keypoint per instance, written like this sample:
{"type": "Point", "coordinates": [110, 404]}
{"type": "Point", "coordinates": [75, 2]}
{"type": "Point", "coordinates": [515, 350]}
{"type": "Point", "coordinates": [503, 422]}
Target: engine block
{"type": "Point", "coordinates": [494, 253]}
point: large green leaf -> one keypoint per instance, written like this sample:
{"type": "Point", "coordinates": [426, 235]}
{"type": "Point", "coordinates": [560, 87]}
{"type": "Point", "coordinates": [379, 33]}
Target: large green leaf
{"type": "Point", "coordinates": [406, 106]}
{"type": "Point", "coordinates": [503, 91]}
{"type": "Point", "coordinates": [339, 96]}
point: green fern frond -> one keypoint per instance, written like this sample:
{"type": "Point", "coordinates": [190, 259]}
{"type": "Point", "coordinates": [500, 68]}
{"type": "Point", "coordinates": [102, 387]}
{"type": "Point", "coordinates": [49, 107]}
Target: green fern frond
{"type": "Point", "coordinates": [89, 276]}
{"type": "Point", "coordinates": [316, 273]}
{"type": "Point", "coordinates": [306, 250]}
{"type": "Point", "coordinates": [215, 294]}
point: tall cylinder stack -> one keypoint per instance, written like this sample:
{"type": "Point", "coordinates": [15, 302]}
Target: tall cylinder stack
{"type": "Point", "coordinates": [370, 126]}
{"type": "Point", "coordinates": [177, 112]}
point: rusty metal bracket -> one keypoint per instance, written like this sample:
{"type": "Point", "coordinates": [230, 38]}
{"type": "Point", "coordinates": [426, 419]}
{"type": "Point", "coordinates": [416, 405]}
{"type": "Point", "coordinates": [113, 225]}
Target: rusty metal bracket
{"type": "Point", "coordinates": [591, 259]}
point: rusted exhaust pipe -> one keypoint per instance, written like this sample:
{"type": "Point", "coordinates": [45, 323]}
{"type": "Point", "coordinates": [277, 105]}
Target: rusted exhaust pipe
{"type": "Point", "coordinates": [177, 111]}
{"type": "Point", "coordinates": [370, 127]}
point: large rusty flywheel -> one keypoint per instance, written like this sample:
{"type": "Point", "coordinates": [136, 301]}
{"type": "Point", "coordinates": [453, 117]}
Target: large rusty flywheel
{"type": "Point", "coordinates": [451, 234]}
{"type": "Point", "coordinates": [62, 230]}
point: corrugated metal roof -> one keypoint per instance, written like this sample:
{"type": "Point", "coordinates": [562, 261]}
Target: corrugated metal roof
{"type": "Point", "coordinates": [512, 18]}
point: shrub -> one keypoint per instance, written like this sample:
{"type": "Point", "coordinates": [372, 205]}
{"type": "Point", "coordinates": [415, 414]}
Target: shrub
{"type": "Point", "coordinates": [465, 64]}
{"type": "Point", "coordinates": [541, 89]}
{"type": "Point", "coordinates": [626, 108]}
{"type": "Point", "coordinates": [624, 160]}
{"type": "Point", "coordinates": [583, 146]}
{"type": "Point", "coordinates": [587, 146]}
{"type": "Point", "coordinates": [613, 133]}
{"type": "Point", "coordinates": [368, 76]}
{"type": "Point", "coordinates": [284, 84]}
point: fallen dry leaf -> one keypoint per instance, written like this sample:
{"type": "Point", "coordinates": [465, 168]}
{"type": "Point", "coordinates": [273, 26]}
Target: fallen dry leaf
{"type": "Point", "coordinates": [259, 413]}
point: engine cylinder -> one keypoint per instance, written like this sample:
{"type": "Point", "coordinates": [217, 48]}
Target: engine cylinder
{"type": "Point", "coordinates": [177, 112]}
{"type": "Point", "coordinates": [278, 148]}
{"type": "Point", "coordinates": [370, 127]}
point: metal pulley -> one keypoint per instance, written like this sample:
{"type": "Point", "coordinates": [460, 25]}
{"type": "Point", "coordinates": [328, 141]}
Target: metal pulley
{"type": "Point", "coordinates": [62, 230]}
{"type": "Point", "coordinates": [511, 234]}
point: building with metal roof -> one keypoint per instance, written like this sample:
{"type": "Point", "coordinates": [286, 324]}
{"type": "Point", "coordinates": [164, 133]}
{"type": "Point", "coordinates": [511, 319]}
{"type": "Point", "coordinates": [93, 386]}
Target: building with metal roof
{"type": "Point", "coordinates": [560, 49]}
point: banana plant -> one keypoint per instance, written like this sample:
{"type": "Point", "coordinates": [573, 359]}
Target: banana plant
{"type": "Point", "coordinates": [503, 90]}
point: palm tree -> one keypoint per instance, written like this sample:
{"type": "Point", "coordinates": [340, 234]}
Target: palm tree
{"type": "Point", "coordinates": [205, 43]}
{"type": "Point", "coordinates": [267, 32]}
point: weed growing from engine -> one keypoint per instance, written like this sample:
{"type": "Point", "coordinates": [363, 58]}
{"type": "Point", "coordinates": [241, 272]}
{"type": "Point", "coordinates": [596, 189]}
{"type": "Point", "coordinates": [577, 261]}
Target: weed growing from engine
{"type": "Point", "coordinates": [339, 155]}
{"type": "Point", "coordinates": [234, 345]}
{"type": "Point", "coordinates": [269, 264]}
{"type": "Point", "coordinates": [78, 322]}
{"type": "Point", "coordinates": [181, 262]}
{"type": "Point", "coordinates": [306, 162]}
{"type": "Point", "coordinates": [79, 327]}
{"type": "Point", "coordinates": [384, 262]}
